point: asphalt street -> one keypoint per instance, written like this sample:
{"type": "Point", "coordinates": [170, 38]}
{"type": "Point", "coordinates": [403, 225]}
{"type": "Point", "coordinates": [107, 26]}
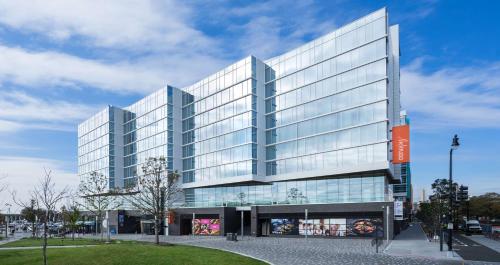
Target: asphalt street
{"type": "Point", "coordinates": [470, 250]}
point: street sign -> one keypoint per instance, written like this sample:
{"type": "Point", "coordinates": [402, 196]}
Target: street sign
{"type": "Point", "coordinates": [450, 225]}
{"type": "Point", "coordinates": [398, 210]}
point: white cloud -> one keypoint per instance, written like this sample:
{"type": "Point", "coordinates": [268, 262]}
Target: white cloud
{"type": "Point", "coordinates": [20, 110]}
{"type": "Point", "coordinates": [45, 69]}
{"type": "Point", "coordinates": [23, 173]}
{"type": "Point", "coordinates": [9, 126]}
{"type": "Point", "coordinates": [466, 97]}
{"type": "Point", "coordinates": [269, 31]}
{"type": "Point", "coordinates": [134, 24]}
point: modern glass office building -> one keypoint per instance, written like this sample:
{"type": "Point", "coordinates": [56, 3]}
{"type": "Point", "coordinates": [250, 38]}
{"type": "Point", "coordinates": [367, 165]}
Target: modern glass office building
{"type": "Point", "coordinates": [293, 145]}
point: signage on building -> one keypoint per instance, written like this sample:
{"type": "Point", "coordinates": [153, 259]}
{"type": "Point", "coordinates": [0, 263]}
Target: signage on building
{"type": "Point", "coordinates": [401, 144]}
{"type": "Point", "coordinates": [398, 210]}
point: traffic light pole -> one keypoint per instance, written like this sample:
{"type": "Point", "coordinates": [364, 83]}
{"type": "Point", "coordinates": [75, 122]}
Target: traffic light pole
{"type": "Point", "coordinates": [450, 205]}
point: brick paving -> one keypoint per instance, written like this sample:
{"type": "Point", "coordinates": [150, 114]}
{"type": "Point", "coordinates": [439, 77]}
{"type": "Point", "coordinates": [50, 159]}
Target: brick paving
{"type": "Point", "coordinates": [287, 251]}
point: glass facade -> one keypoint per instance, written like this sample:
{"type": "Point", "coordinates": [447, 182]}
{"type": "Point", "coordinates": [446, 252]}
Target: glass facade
{"type": "Point", "coordinates": [317, 114]}
{"type": "Point", "coordinates": [329, 190]}
{"type": "Point", "coordinates": [219, 125]}
{"type": "Point", "coordinates": [96, 146]}
{"type": "Point", "coordinates": [326, 102]}
{"type": "Point", "coordinates": [147, 132]}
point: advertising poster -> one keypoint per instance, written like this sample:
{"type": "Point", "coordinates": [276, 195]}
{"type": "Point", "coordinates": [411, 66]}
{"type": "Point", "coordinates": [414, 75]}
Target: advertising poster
{"type": "Point", "coordinates": [206, 227]}
{"type": "Point", "coordinates": [363, 226]}
{"type": "Point", "coordinates": [401, 144]}
{"type": "Point", "coordinates": [284, 227]}
{"type": "Point", "coordinates": [322, 227]}
{"type": "Point", "coordinates": [305, 228]}
{"type": "Point", "coordinates": [337, 227]}
{"type": "Point", "coordinates": [398, 210]}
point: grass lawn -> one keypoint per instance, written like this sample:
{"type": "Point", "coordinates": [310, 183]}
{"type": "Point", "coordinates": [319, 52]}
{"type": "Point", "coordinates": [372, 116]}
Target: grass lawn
{"type": "Point", "coordinates": [125, 253]}
{"type": "Point", "coordinates": [33, 242]}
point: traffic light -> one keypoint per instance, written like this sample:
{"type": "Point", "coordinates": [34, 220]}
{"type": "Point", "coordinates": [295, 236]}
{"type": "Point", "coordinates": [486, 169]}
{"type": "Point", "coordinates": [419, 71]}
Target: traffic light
{"type": "Point", "coordinates": [463, 193]}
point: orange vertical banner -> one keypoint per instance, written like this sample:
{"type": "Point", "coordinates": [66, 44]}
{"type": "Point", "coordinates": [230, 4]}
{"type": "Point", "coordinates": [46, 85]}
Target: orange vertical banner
{"type": "Point", "coordinates": [400, 144]}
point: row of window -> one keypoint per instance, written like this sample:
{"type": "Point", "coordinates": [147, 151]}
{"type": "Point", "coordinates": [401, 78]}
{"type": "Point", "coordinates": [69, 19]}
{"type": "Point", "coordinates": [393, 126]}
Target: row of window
{"type": "Point", "coordinates": [355, 97]}
{"type": "Point", "coordinates": [344, 80]}
{"type": "Point", "coordinates": [334, 159]}
{"type": "Point", "coordinates": [95, 154]}
{"type": "Point", "coordinates": [95, 144]}
{"type": "Point", "coordinates": [242, 168]}
{"type": "Point", "coordinates": [94, 134]}
{"type": "Point", "coordinates": [220, 98]}
{"type": "Point", "coordinates": [335, 121]}
{"type": "Point", "coordinates": [334, 190]}
{"type": "Point", "coordinates": [159, 127]}
{"type": "Point", "coordinates": [228, 77]}
{"type": "Point", "coordinates": [148, 118]}
{"type": "Point", "coordinates": [330, 86]}
{"type": "Point", "coordinates": [233, 108]}
{"type": "Point", "coordinates": [230, 155]}
{"type": "Point", "coordinates": [328, 142]}
{"type": "Point", "coordinates": [94, 122]}
{"type": "Point", "coordinates": [234, 123]}
{"type": "Point", "coordinates": [328, 49]}
{"type": "Point", "coordinates": [150, 103]}
{"type": "Point", "coordinates": [220, 142]}
{"type": "Point", "coordinates": [95, 165]}
{"type": "Point", "coordinates": [142, 156]}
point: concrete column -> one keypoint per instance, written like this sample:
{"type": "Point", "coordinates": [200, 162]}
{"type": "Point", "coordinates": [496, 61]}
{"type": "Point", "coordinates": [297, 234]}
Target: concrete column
{"type": "Point", "coordinates": [254, 219]}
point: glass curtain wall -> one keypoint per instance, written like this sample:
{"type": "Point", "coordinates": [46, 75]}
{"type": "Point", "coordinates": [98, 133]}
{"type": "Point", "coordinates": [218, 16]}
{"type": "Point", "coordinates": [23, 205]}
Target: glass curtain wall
{"type": "Point", "coordinates": [330, 190]}
{"type": "Point", "coordinates": [219, 125]}
{"type": "Point", "coordinates": [95, 145]}
{"type": "Point", "coordinates": [326, 102]}
{"type": "Point", "coordinates": [148, 133]}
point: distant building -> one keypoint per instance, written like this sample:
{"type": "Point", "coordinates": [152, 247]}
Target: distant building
{"type": "Point", "coordinates": [423, 197]}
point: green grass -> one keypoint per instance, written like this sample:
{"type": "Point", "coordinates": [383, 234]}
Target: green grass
{"type": "Point", "coordinates": [125, 253]}
{"type": "Point", "coordinates": [34, 242]}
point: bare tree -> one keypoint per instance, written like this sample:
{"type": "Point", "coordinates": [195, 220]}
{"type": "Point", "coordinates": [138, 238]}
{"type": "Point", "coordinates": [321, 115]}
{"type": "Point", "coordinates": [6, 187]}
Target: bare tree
{"type": "Point", "coordinates": [48, 198]}
{"type": "Point", "coordinates": [97, 197]}
{"type": "Point", "coordinates": [156, 192]}
{"type": "Point", "coordinates": [30, 210]}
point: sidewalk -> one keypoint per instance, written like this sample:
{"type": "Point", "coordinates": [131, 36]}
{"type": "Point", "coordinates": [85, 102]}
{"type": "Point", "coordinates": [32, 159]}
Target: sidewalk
{"type": "Point", "coordinates": [488, 242]}
{"type": "Point", "coordinates": [413, 242]}
{"type": "Point", "coordinates": [12, 238]}
{"type": "Point", "coordinates": [40, 247]}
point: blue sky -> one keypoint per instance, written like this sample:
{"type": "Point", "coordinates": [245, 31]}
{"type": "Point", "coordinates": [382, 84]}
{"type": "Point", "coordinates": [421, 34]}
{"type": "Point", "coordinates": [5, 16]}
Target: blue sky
{"type": "Point", "coordinates": [60, 62]}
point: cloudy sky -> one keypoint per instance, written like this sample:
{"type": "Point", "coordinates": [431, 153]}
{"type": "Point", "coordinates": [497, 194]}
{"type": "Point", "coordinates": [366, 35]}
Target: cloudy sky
{"type": "Point", "coordinates": [61, 61]}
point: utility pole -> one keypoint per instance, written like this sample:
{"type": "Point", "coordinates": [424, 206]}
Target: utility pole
{"type": "Point", "coordinates": [454, 146]}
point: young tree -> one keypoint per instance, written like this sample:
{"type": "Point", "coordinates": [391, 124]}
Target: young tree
{"type": "Point", "coordinates": [156, 191]}
{"type": "Point", "coordinates": [97, 197]}
{"type": "Point", "coordinates": [71, 216]}
{"type": "Point", "coordinates": [48, 197]}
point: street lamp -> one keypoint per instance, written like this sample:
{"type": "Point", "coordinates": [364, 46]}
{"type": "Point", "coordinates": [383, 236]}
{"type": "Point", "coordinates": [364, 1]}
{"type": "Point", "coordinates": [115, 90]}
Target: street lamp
{"type": "Point", "coordinates": [7, 217]}
{"type": "Point", "coordinates": [454, 146]}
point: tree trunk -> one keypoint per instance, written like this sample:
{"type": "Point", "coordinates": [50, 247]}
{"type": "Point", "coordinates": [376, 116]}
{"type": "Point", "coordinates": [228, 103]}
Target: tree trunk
{"type": "Point", "coordinates": [46, 227]}
{"type": "Point", "coordinates": [157, 235]}
{"type": "Point", "coordinates": [33, 229]}
{"type": "Point", "coordinates": [73, 234]}
{"type": "Point", "coordinates": [100, 227]}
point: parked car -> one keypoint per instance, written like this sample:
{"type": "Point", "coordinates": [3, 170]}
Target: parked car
{"type": "Point", "coordinates": [473, 226]}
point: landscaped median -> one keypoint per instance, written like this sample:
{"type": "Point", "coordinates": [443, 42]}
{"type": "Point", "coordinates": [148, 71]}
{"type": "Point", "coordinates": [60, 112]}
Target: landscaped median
{"type": "Point", "coordinates": [118, 252]}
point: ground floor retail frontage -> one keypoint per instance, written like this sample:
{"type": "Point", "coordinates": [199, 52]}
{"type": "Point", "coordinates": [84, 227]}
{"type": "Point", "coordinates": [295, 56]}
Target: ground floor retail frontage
{"type": "Point", "coordinates": [314, 220]}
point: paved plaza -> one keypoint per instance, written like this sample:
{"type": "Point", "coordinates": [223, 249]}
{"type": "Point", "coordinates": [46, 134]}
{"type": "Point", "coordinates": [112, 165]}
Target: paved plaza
{"type": "Point", "coordinates": [288, 251]}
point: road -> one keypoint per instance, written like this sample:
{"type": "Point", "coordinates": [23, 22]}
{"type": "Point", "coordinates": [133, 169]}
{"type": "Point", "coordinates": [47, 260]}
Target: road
{"type": "Point", "coordinates": [470, 250]}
